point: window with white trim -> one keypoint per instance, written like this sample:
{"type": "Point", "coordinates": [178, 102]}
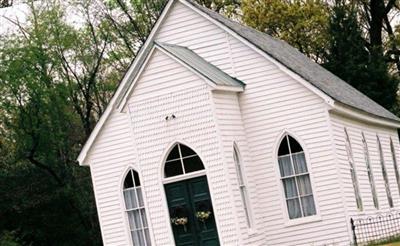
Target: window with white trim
{"type": "Point", "coordinates": [370, 172]}
{"type": "Point", "coordinates": [242, 185]}
{"type": "Point", "coordinates": [384, 173]}
{"type": "Point", "coordinates": [295, 179]}
{"type": "Point", "coordinates": [396, 168]}
{"type": "Point", "coordinates": [182, 160]}
{"type": "Point", "coordinates": [353, 173]}
{"type": "Point", "coordinates": [134, 206]}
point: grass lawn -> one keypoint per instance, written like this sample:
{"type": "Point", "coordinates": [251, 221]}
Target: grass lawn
{"type": "Point", "coordinates": [392, 244]}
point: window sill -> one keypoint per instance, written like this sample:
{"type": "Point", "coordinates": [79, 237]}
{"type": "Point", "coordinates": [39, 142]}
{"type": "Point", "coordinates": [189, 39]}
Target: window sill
{"type": "Point", "coordinates": [252, 232]}
{"type": "Point", "coordinates": [305, 220]}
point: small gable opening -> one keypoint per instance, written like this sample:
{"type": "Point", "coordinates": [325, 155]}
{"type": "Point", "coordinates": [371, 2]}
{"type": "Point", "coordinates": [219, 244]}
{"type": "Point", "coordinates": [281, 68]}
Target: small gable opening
{"type": "Point", "coordinates": [182, 160]}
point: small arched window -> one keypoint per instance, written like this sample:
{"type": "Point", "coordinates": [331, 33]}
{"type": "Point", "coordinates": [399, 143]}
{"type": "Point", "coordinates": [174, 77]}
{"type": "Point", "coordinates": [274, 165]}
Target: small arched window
{"type": "Point", "coordinates": [182, 160]}
{"type": "Point", "coordinates": [135, 209]}
{"type": "Point", "coordinates": [295, 179]}
{"type": "Point", "coordinates": [242, 185]}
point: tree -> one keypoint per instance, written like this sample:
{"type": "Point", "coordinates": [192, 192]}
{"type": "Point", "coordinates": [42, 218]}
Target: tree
{"type": "Point", "coordinates": [5, 3]}
{"type": "Point", "coordinates": [131, 21]}
{"type": "Point", "coordinates": [357, 60]}
{"type": "Point", "coordinates": [56, 79]}
{"type": "Point", "coordinates": [49, 81]}
{"type": "Point", "coordinates": [301, 23]}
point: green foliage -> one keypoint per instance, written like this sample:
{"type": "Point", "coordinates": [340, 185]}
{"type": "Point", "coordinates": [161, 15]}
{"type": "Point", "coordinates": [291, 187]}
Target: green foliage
{"type": "Point", "coordinates": [350, 59]}
{"type": "Point", "coordinates": [56, 79]}
{"type": "Point", "coordinates": [8, 239]}
{"type": "Point", "coordinates": [301, 23]}
{"type": "Point", "coordinates": [47, 111]}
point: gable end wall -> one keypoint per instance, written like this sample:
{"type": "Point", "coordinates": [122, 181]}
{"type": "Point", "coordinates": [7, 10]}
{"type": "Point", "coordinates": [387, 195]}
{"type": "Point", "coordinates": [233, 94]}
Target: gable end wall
{"type": "Point", "coordinates": [354, 129]}
{"type": "Point", "coordinates": [271, 103]}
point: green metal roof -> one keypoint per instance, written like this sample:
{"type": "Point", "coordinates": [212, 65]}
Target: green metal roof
{"type": "Point", "coordinates": [200, 65]}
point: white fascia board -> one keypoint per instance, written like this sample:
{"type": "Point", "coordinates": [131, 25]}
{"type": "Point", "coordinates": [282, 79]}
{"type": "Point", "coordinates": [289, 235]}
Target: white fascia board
{"type": "Point", "coordinates": [209, 82]}
{"type": "Point", "coordinates": [124, 100]}
{"type": "Point", "coordinates": [228, 88]}
{"type": "Point", "coordinates": [356, 114]}
{"type": "Point", "coordinates": [110, 107]}
{"type": "Point", "coordinates": [282, 67]}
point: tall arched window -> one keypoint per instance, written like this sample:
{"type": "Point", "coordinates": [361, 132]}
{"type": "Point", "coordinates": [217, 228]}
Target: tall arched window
{"type": "Point", "coordinates": [296, 179]}
{"type": "Point", "coordinates": [182, 160]}
{"type": "Point", "coordinates": [134, 206]}
{"type": "Point", "coordinates": [242, 185]}
{"type": "Point", "coordinates": [396, 168]}
{"type": "Point", "coordinates": [353, 173]}
{"type": "Point", "coordinates": [370, 172]}
{"type": "Point", "coordinates": [384, 173]}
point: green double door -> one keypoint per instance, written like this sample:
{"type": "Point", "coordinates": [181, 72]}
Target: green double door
{"type": "Point", "coordinates": [191, 212]}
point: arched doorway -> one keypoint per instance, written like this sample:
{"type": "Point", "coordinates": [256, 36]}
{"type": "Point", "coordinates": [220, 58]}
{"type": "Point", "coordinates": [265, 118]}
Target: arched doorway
{"type": "Point", "coordinates": [188, 196]}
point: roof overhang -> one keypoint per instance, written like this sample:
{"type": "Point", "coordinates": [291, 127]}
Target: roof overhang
{"type": "Point", "coordinates": [212, 83]}
{"type": "Point", "coordinates": [123, 84]}
{"type": "Point", "coordinates": [356, 114]}
{"type": "Point", "coordinates": [119, 100]}
{"type": "Point", "coordinates": [126, 84]}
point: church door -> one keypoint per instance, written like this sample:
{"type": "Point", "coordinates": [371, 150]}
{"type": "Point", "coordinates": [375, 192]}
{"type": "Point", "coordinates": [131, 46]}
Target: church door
{"type": "Point", "coordinates": [191, 212]}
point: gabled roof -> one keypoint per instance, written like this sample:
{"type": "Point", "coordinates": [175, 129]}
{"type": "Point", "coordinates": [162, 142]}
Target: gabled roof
{"type": "Point", "coordinates": [282, 52]}
{"type": "Point", "coordinates": [200, 65]}
{"type": "Point", "coordinates": [300, 64]}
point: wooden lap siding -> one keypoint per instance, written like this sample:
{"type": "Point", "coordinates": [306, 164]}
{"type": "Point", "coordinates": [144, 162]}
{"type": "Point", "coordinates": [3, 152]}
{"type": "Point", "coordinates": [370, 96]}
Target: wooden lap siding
{"type": "Point", "coordinates": [188, 98]}
{"type": "Point", "coordinates": [271, 101]}
{"type": "Point", "coordinates": [209, 122]}
{"type": "Point", "coordinates": [231, 129]}
{"type": "Point", "coordinates": [109, 159]}
{"type": "Point", "coordinates": [354, 129]}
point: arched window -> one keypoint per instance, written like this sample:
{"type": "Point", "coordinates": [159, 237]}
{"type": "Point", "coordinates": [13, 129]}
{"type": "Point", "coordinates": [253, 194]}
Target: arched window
{"type": "Point", "coordinates": [370, 172]}
{"type": "Point", "coordinates": [134, 206]}
{"type": "Point", "coordinates": [242, 185]}
{"type": "Point", "coordinates": [396, 168]}
{"type": "Point", "coordinates": [384, 173]}
{"type": "Point", "coordinates": [182, 160]}
{"type": "Point", "coordinates": [353, 173]}
{"type": "Point", "coordinates": [296, 179]}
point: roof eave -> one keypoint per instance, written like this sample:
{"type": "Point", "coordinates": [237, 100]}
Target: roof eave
{"type": "Point", "coordinates": [351, 112]}
{"type": "Point", "coordinates": [213, 84]}
{"type": "Point", "coordinates": [89, 142]}
{"type": "Point", "coordinates": [228, 88]}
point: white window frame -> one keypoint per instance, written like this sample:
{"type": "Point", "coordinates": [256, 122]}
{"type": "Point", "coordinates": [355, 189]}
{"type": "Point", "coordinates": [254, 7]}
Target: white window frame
{"type": "Point", "coordinates": [242, 182]}
{"type": "Point", "coordinates": [141, 209]}
{"type": "Point", "coordinates": [353, 172]}
{"type": "Point", "coordinates": [370, 172]}
{"type": "Point", "coordinates": [395, 165]}
{"type": "Point", "coordinates": [303, 219]}
{"type": "Point", "coordinates": [384, 173]}
{"type": "Point", "coordinates": [184, 175]}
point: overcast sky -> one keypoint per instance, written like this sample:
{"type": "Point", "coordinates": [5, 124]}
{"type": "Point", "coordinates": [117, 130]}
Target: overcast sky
{"type": "Point", "coordinates": [16, 12]}
{"type": "Point", "coordinates": [19, 12]}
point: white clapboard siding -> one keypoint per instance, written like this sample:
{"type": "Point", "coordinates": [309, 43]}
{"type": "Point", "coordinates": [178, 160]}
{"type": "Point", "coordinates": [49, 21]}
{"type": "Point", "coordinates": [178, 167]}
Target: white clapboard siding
{"type": "Point", "coordinates": [231, 130]}
{"type": "Point", "coordinates": [211, 121]}
{"type": "Point", "coordinates": [270, 106]}
{"type": "Point", "coordinates": [187, 97]}
{"type": "Point", "coordinates": [271, 103]}
{"type": "Point", "coordinates": [111, 155]}
{"type": "Point", "coordinates": [354, 129]}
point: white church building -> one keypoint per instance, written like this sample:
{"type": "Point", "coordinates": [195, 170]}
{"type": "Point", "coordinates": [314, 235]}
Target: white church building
{"type": "Point", "coordinates": [222, 135]}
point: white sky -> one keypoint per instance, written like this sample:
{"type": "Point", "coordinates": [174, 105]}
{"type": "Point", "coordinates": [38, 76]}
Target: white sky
{"type": "Point", "coordinates": [16, 12]}
{"type": "Point", "coordinates": [20, 11]}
